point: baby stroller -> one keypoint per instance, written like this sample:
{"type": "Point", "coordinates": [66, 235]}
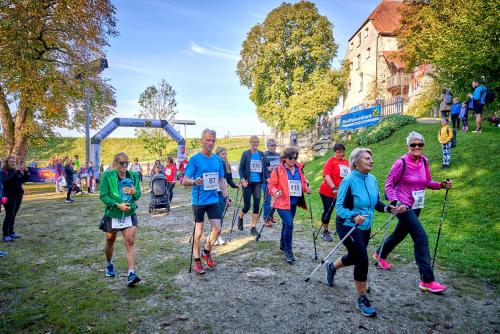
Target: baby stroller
{"type": "Point", "coordinates": [61, 185]}
{"type": "Point", "coordinates": [159, 194]}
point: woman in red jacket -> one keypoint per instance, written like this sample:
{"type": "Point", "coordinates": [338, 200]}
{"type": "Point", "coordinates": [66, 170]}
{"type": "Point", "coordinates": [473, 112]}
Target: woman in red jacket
{"type": "Point", "coordinates": [170, 173]}
{"type": "Point", "coordinates": [287, 185]}
{"type": "Point", "coordinates": [334, 171]}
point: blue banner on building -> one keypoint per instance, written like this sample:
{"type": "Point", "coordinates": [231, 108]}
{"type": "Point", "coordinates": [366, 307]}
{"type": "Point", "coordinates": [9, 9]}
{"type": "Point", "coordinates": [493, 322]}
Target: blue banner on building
{"type": "Point", "coordinates": [360, 119]}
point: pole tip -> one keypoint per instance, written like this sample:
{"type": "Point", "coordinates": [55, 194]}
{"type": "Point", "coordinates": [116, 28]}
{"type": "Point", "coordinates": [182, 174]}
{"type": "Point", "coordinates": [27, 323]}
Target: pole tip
{"type": "Point", "coordinates": [307, 279]}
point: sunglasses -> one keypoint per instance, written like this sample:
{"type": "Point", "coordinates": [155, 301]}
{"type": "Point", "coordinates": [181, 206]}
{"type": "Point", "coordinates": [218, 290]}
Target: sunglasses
{"type": "Point", "coordinates": [292, 158]}
{"type": "Point", "coordinates": [123, 163]}
{"type": "Point", "coordinates": [417, 145]}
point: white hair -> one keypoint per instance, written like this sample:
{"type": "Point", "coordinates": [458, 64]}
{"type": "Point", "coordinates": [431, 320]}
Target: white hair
{"type": "Point", "coordinates": [414, 136]}
{"type": "Point", "coordinates": [356, 155]}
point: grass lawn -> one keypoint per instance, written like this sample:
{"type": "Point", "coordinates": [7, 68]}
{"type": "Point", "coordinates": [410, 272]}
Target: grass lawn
{"type": "Point", "coordinates": [470, 241]}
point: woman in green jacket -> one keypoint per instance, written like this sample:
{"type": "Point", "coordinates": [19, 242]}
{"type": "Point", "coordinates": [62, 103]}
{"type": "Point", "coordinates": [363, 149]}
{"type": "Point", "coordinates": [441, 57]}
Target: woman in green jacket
{"type": "Point", "coordinates": [119, 191]}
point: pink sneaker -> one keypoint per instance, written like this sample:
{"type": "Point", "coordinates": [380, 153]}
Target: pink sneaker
{"type": "Point", "coordinates": [434, 286]}
{"type": "Point", "coordinates": [383, 263]}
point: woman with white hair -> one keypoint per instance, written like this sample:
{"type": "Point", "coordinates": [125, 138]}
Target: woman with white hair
{"type": "Point", "coordinates": [357, 198]}
{"type": "Point", "coordinates": [406, 183]}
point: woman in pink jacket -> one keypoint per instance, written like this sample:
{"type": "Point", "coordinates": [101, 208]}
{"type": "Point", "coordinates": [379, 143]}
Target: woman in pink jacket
{"type": "Point", "coordinates": [406, 183]}
{"type": "Point", "coordinates": [287, 185]}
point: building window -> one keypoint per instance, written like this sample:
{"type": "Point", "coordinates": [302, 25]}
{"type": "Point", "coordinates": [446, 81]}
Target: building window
{"type": "Point", "coordinates": [359, 61]}
{"type": "Point", "coordinates": [361, 82]}
{"type": "Point", "coordinates": [366, 32]}
{"type": "Point", "coordinates": [359, 39]}
{"type": "Point", "coordinates": [352, 46]}
{"type": "Point", "coordinates": [368, 53]}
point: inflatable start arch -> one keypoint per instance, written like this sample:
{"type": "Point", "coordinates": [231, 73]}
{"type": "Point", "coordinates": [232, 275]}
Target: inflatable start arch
{"type": "Point", "coordinates": [95, 147]}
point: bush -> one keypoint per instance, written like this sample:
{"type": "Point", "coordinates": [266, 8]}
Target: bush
{"type": "Point", "coordinates": [384, 129]}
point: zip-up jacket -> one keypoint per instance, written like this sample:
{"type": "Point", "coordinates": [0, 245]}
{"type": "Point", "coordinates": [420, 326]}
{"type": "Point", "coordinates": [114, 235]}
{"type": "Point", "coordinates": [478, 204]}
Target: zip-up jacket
{"type": "Point", "coordinates": [279, 181]}
{"type": "Point", "coordinates": [479, 94]}
{"type": "Point", "coordinates": [358, 195]}
{"type": "Point", "coordinates": [110, 195]}
{"type": "Point", "coordinates": [445, 134]}
{"type": "Point", "coordinates": [416, 176]}
{"type": "Point", "coordinates": [12, 181]}
{"type": "Point", "coordinates": [244, 167]}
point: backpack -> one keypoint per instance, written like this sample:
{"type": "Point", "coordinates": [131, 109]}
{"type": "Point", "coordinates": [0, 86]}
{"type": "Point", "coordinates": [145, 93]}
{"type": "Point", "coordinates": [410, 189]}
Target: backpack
{"type": "Point", "coordinates": [454, 138]}
{"type": "Point", "coordinates": [447, 97]}
{"type": "Point", "coordinates": [403, 173]}
{"type": "Point", "coordinates": [489, 97]}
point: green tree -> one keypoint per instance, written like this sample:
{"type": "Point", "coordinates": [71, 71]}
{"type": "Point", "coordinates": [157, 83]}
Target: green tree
{"type": "Point", "coordinates": [286, 64]}
{"type": "Point", "coordinates": [459, 38]}
{"type": "Point", "coordinates": [157, 102]}
{"type": "Point", "coordinates": [44, 45]}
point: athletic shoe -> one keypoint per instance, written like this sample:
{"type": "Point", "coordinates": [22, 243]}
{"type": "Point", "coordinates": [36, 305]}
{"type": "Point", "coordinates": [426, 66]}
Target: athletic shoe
{"type": "Point", "coordinates": [70, 200]}
{"type": "Point", "coordinates": [327, 237]}
{"type": "Point", "coordinates": [433, 286]}
{"type": "Point", "coordinates": [15, 236]}
{"type": "Point", "coordinates": [268, 223]}
{"type": "Point", "coordinates": [208, 259]}
{"type": "Point", "coordinates": [2, 253]}
{"type": "Point", "coordinates": [383, 262]}
{"type": "Point", "coordinates": [330, 272]}
{"type": "Point", "coordinates": [289, 257]}
{"type": "Point", "coordinates": [478, 130]}
{"type": "Point", "coordinates": [219, 242]}
{"type": "Point", "coordinates": [253, 231]}
{"type": "Point", "coordinates": [282, 250]}
{"type": "Point", "coordinates": [132, 279]}
{"type": "Point", "coordinates": [273, 220]}
{"type": "Point", "coordinates": [198, 268]}
{"type": "Point", "coordinates": [240, 223]}
{"type": "Point", "coordinates": [7, 239]}
{"type": "Point", "coordinates": [365, 307]}
{"type": "Point", "coordinates": [110, 270]}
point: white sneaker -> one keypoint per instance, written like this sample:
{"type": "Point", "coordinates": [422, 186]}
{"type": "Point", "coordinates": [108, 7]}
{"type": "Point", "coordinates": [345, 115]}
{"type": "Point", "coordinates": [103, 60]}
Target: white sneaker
{"type": "Point", "coordinates": [220, 241]}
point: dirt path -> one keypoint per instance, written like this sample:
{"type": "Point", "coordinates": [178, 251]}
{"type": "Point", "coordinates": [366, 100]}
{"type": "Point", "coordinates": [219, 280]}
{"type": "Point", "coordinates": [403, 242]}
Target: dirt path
{"type": "Point", "coordinates": [253, 290]}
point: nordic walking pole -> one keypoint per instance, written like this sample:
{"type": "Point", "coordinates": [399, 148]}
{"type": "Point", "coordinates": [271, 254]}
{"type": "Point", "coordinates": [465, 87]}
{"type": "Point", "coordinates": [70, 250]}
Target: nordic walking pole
{"type": "Point", "coordinates": [312, 225]}
{"type": "Point", "coordinates": [440, 225]}
{"type": "Point", "coordinates": [265, 218]}
{"type": "Point", "coordinates": [236, 211]}
{"type": "Point", "coordinates": [331, 252]}
{"type": "Point", "coordinates": [194, 227]}
{"type": "Point", "coordinates": [319, 229]}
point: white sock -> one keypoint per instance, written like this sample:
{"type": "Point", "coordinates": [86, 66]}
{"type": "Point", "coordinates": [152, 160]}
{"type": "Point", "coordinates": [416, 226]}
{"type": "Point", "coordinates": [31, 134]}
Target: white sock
{"type": "Point", "coordinates": [131, 271]}
{"type": "Point", "coordinates": [109, 263]}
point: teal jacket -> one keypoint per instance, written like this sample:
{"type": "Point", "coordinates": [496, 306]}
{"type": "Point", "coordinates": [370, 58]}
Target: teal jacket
{"type": "Point", "coordinates": [110, 195]}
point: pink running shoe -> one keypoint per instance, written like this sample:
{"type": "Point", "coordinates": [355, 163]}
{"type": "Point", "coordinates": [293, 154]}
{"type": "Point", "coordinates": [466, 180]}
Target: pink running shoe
{"type": "Point", "coordinates": [383, 263]}
{"type": "Point", "coordinates": [433, 286]}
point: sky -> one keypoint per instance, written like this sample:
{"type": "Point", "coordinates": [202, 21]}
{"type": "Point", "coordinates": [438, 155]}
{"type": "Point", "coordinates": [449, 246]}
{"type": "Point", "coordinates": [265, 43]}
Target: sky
{"type": "Point", "coordinates": [194, 45]}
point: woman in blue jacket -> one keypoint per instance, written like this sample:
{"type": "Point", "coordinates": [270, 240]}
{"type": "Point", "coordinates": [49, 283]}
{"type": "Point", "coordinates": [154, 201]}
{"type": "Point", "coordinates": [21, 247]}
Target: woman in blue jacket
{"type": "Point", "coordinates": [357, 198]}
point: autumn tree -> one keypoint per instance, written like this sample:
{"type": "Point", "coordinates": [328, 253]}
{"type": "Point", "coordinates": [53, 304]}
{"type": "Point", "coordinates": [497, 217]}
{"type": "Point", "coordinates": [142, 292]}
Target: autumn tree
{"type": "Point", "coordinates": [459, 38]}
{"type": "Point", "coordinates": [286, 63]}
{"type": "Point", "coordinates": [47, 48]}
{"type": "Point", "coordinates": [157, 102]}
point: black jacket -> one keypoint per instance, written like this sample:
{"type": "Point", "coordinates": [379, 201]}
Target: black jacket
{"type": "Point", "coordinates": [244, 168]}
{"type": "Point", "coordinates": [12, 181]}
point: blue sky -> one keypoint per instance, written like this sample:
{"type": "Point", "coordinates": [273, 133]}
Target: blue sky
{"type": "Point", "coordinates": [194, 45]}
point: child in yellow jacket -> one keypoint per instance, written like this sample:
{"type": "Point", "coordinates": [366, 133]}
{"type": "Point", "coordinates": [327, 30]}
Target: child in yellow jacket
{"type": "Point", "coordinates": [445, 136]}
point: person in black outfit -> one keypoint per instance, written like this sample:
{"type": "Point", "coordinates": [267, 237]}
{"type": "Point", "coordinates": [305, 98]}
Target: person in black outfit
{"type": "Point", "coordinates": [12, 180]}
{"type": "Point", "coordinates": [69, 176]}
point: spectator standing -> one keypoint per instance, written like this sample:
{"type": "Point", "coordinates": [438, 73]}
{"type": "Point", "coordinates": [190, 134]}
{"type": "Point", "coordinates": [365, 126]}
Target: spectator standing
{"type": "Point", "coordinates": [464, 117]}
{"type": "Point", "coordinates": [445, 136]}
{"type": "Point", "coordinates": [456, 108]}
{"type": "Point", "coordinates": [478, 98]}
{"type": "Point", "coordinates": [445, 103]}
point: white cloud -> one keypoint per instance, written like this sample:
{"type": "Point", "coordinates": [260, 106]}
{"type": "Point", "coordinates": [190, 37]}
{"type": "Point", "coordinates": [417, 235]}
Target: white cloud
{"type": "Point", "coordinates": [131, 67]}
{"type": "Point", "coordinates": [213, 51]}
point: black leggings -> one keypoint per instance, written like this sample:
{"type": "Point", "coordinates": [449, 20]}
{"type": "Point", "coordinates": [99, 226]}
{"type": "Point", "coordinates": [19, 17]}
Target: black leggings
{"type": "Point", "coordinates": [252, 190]}
{"type": "Point", "coordinates": [328, 207]}
{"type": "Point", "coordinates": [11, 208]}
{"type": "Point", "coordinates": [356, 245]}
{"type": "Point", "coordinates": [455, 121]}
{"type": "Point", "coordinates": [170, 186]}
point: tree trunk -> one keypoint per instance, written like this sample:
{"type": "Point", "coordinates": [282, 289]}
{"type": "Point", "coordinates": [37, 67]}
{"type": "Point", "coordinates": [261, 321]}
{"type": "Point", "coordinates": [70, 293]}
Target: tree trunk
{"type": "Point", "coordinates": [7, 122]}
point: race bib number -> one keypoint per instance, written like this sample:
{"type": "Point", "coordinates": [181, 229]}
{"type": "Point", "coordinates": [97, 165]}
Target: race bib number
{"type": "Point", "coordinates": [419, 197]}
{"type": "Point", "coordinates": [344, 170]}
{"type": "Point", "coordinates": [255, 166]}
{"type": "Point", "coordinates": [168, 171]}
{"type": "Point", "coordinates": [210, 181]}
{"type": "Point", "coordinates": [274, 163]}
{"type": "Point", "coordinates": [120, 223]}
{"type": "Point", "coordinates": [295, 188]}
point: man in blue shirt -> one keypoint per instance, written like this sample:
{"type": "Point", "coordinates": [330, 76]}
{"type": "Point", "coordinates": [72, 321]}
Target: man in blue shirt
{"type": "Point", "coordinates": [478, 98]}
{"type": "Point", "coordinates": [205, 173]}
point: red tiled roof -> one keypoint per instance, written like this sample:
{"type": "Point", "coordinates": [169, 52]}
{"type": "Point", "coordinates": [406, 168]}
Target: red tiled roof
{"type": "Point", "coordinates": [385, 18]}
{"type": "Point", "coordinates": [393, 57]}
